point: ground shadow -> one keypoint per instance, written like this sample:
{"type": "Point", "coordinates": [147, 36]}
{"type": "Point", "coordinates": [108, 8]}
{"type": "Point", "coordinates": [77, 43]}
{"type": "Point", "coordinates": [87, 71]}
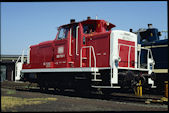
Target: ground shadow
{"type": "Point", "coordinates": [115, 96]}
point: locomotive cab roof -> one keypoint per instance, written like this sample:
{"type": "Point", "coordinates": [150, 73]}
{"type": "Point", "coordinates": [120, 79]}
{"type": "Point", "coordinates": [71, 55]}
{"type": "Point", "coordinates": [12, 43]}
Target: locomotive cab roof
{"type": "Point", "coordinates": [100, 25]}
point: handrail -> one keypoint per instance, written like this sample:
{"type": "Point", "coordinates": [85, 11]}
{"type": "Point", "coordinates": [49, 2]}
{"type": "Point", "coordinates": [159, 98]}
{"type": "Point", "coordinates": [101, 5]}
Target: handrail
{"type": "Point", "coordinates": [77, 40]}
{"type": "Point", "coordinates": [139, 54]}
{"type": "Point", "coordinates": [28, 55]}
{"type": "Point", "coordinates": [90, 47]}
{"type": "Point", "coordinates": [21, 58]}
{"type": "Point", "coordinates": [128, 52]}
{"type": "Point", "coordinates": [129, 56]}
{"type": "Point", "coordinates": [16, 66]}
{"type": "Point", "coordinates": [22, 61]}
{"type": "Point", "coordinates": [70, 43]}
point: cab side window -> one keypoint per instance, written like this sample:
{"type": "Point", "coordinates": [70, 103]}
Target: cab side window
{"type": "Point", "coordinates": [85, 29]}
{"type": "Point", "coordinates": [88, 28]}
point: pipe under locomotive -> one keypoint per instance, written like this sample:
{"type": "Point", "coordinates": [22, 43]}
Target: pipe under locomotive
{"type": "Point", "coordinates": [89, 54]}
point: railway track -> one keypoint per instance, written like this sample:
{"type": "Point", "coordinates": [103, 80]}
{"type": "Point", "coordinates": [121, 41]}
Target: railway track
{"type": "Point", "coordinates": [115, 96]}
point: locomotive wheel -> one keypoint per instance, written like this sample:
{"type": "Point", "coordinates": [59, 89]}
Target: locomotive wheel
{"type": "Point", "coordinates": [41, 89]}
{"type": "Point", "coordinates": [83, 88]}
{"type": "Point", "coordinates": [83, 91]}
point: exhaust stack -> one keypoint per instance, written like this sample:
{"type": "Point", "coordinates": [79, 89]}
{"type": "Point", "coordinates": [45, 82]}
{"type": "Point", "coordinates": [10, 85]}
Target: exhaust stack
{"type": "Point", "coordinates": [150, 26]}
{"type": "Point", "coordinates": [72, 21]}
{"type": "Point", "coordinates": [88, 18]}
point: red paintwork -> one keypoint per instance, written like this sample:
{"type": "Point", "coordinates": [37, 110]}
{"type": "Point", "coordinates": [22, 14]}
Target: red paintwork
{"type": "Point", "coordinates": [101, 44]}
{"type": "Point", "coordinates": [124, 52]}
{"type": "Point", "coordinates": [55, 53]}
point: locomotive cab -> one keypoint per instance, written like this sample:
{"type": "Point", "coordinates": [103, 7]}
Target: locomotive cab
{"type": "Point", "coordinates": [71, 38]}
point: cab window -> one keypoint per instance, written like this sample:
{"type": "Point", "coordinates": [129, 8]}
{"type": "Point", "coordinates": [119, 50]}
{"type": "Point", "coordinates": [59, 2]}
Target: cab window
{"type": "Point", "coordinates": [88, 28]}
{"type": "Point", "coordinates": [63, 32]}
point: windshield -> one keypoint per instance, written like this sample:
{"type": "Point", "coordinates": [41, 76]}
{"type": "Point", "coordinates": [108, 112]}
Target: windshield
{"type": "Point", "coordinates": [63, 33]}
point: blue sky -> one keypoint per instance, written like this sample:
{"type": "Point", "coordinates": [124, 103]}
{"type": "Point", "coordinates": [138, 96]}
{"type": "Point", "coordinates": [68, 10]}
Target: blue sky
{"type": "Point", "coordinates": [29, 23]}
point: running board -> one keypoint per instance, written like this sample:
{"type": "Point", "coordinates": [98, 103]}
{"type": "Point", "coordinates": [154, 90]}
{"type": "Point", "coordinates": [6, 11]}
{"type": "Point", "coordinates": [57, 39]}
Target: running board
{"type": "Point", "coordinates": [82, 69]}
{"type": "Point", "coordinates": [96, 73]}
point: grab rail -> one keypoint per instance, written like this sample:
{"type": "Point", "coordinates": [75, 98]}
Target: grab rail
{"type": "Point", "coordinates": [90, 48]}
{"type": "Point", "coordinates": [149, 53]}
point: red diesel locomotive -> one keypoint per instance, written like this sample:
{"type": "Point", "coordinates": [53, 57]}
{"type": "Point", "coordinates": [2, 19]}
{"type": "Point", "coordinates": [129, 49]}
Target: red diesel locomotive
{"type": "Point", "coordinates": [89, 54]}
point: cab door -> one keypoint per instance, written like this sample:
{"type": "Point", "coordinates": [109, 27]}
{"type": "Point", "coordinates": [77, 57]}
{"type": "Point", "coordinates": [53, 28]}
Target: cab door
{"type": "Point", "coordinates": [74, 46]}
{"type": "Point", "coordinates": [77, 44]}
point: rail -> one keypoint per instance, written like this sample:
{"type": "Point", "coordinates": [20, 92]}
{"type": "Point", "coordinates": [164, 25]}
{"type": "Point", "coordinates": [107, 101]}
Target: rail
{"type": "Point", "coordinates": [20, 61]}
{"type": "Point", "coordinates": [18, 65]}
{"type": "Point", "coordinates": [70, 43]}
{"type": "Point", "coordinates": [94, 56]}
{"type": "Point", "coordinates": [21, 58]}
{"type": "Point", "coordinates": [77, 39]}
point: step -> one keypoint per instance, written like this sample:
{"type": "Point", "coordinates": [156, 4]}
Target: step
{"type": "Point", "coordinates": [96, 73]}
{"type": "Point", "coordinates": [96, 80]}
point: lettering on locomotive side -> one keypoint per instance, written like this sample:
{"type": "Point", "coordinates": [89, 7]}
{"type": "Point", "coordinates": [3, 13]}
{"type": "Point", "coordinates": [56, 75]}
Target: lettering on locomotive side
{"type": "Point", "coordinates": [61, 49]}
{"type": "Point", "coordinates": [47, 64]}
{"type": "Point", "coordinates": [60, 56]}
{"type": "Point", "coordinates": [125, 38]}
{"type": "Point", "coordinates": [98, 54]}
{"type": "Point", "coordinates": [127, 34]}
{"type": "Point", "coordinates": [60, 62]}
{"type": "Point", "coordinates": [104, 53]}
